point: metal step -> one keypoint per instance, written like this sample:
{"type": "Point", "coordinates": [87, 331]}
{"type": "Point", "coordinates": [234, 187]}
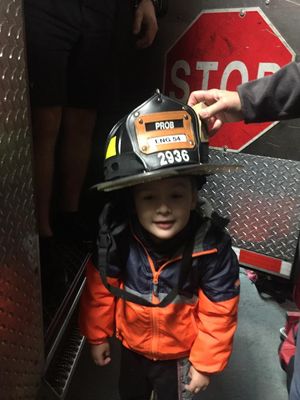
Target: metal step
{"type": "Point", "coordinates": [63, 341]}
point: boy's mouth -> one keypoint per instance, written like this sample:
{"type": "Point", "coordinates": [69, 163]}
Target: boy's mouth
{"type": "Point", "coordinates": [165, 225]}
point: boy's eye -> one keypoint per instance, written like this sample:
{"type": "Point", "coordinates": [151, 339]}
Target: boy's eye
{"type": "Point", "coordinates": [147, 197]}
{"type": "Point", "coordinates": [177, 195]}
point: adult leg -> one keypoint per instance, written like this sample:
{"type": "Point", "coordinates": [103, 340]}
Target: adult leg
{"type": "Point", "coordinates": [295, 385]}
{"type": "Point", "coordinates": [78, 128]}
{"type": "Point", "coordinates": [51, 31]}
{"type": "Point", "coordinates": [87, 73]}
{"type": "Point", "coordinates": [45, 126]}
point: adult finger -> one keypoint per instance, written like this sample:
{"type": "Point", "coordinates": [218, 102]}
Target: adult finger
{"type": "Point", "coordinates": [213, 125]}
{"type": "Point", "coordinates": [196, 97]}
{"type": "Point", "coordinates": [211, 110]}
{"type": "Point", "coordinates": [137, 22]}
{"type": "Point", "coordinates": [206, 96]}
{"type": "Point", "coordinates": [148, 37]}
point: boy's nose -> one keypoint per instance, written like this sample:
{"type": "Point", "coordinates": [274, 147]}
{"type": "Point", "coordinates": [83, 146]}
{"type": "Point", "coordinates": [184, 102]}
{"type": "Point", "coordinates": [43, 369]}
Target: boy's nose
{"type": "Point", "coordinates": [163, 208]}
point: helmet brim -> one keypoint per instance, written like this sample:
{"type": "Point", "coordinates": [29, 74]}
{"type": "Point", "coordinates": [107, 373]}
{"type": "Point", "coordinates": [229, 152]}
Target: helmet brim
{"type": "Point", "coordinates": [192, 170]}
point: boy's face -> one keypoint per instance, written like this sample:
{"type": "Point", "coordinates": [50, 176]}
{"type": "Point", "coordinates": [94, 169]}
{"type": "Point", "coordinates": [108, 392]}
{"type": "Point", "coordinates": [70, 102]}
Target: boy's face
{"type": "Point", "coordinates": [163, 207]}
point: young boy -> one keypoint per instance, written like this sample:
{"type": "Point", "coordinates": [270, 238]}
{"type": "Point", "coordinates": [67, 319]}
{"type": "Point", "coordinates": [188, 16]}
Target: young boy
{"type": "Point", "coordinates": [165, 280]}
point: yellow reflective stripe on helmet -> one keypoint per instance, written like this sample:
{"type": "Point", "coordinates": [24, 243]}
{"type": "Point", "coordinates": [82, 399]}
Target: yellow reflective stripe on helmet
{"type": "Point", "coordinates": [111, 148]}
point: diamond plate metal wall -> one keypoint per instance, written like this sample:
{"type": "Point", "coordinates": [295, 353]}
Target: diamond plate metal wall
{"type": "Point", "coordinates": [262, 201]}
{"type": "Point", "coordinates": [21, 336]}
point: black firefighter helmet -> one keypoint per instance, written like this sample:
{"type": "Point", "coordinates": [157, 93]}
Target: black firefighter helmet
{"type": "Point", "coordinates": [161, 138]}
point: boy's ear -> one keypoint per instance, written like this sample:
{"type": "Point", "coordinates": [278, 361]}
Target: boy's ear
{"type": "Point", "coordinates": [194, 193]}
{"type": "Point", "coordinates": [194, 199]}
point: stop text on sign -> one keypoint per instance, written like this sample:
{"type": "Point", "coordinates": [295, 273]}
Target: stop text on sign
{"type": "Point", "coordinates": [209, 69]}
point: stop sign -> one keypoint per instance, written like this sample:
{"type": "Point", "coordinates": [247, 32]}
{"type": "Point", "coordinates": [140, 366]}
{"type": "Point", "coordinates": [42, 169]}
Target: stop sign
{"type": "Point", "coordinates": [221, 49]}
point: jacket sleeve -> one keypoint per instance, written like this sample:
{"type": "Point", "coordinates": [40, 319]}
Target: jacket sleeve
{"type": "Point", "coordinates": [217, 313]}
{"type": "Point", "coordinates": [273, 97]}
{"type": "Point", "coordinates": [97, 307]}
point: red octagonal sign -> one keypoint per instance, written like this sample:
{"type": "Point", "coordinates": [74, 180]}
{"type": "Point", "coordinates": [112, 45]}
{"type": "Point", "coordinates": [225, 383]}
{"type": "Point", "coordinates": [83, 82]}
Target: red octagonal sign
{"type": "Point", "coordinates": [221, 49]}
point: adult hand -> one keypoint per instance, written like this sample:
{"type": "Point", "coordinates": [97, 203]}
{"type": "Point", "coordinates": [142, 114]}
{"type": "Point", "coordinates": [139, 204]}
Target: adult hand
{"type": "Point", "coordinates": [101, 353]}
{"type": "Point", "coordinates": [199, 381]}
{"type": "Point", "coordinates": [145, 24]}
{"type": "Point", "coordinates": [221, 106]}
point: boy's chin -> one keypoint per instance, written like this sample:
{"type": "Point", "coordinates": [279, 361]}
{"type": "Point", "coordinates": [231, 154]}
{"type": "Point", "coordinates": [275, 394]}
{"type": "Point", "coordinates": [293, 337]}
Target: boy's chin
{"type": "Point", "coordinates": [162, 236]}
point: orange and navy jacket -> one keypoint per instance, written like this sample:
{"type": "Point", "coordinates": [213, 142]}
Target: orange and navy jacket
{"type": "Point", "coordinates": [200, 322]}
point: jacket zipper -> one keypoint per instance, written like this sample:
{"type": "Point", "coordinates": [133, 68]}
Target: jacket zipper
{"type": "Point", "coordinates": [155, 295]}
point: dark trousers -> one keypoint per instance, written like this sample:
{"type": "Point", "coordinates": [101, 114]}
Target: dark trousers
{"type": "Point", "coordinates": [139, 376]}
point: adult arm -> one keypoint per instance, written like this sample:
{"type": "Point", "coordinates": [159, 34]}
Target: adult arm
{"type": "Point", "coordinates": [274, 97]}
{"type": "Point", "coordinates": [269, 98]}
